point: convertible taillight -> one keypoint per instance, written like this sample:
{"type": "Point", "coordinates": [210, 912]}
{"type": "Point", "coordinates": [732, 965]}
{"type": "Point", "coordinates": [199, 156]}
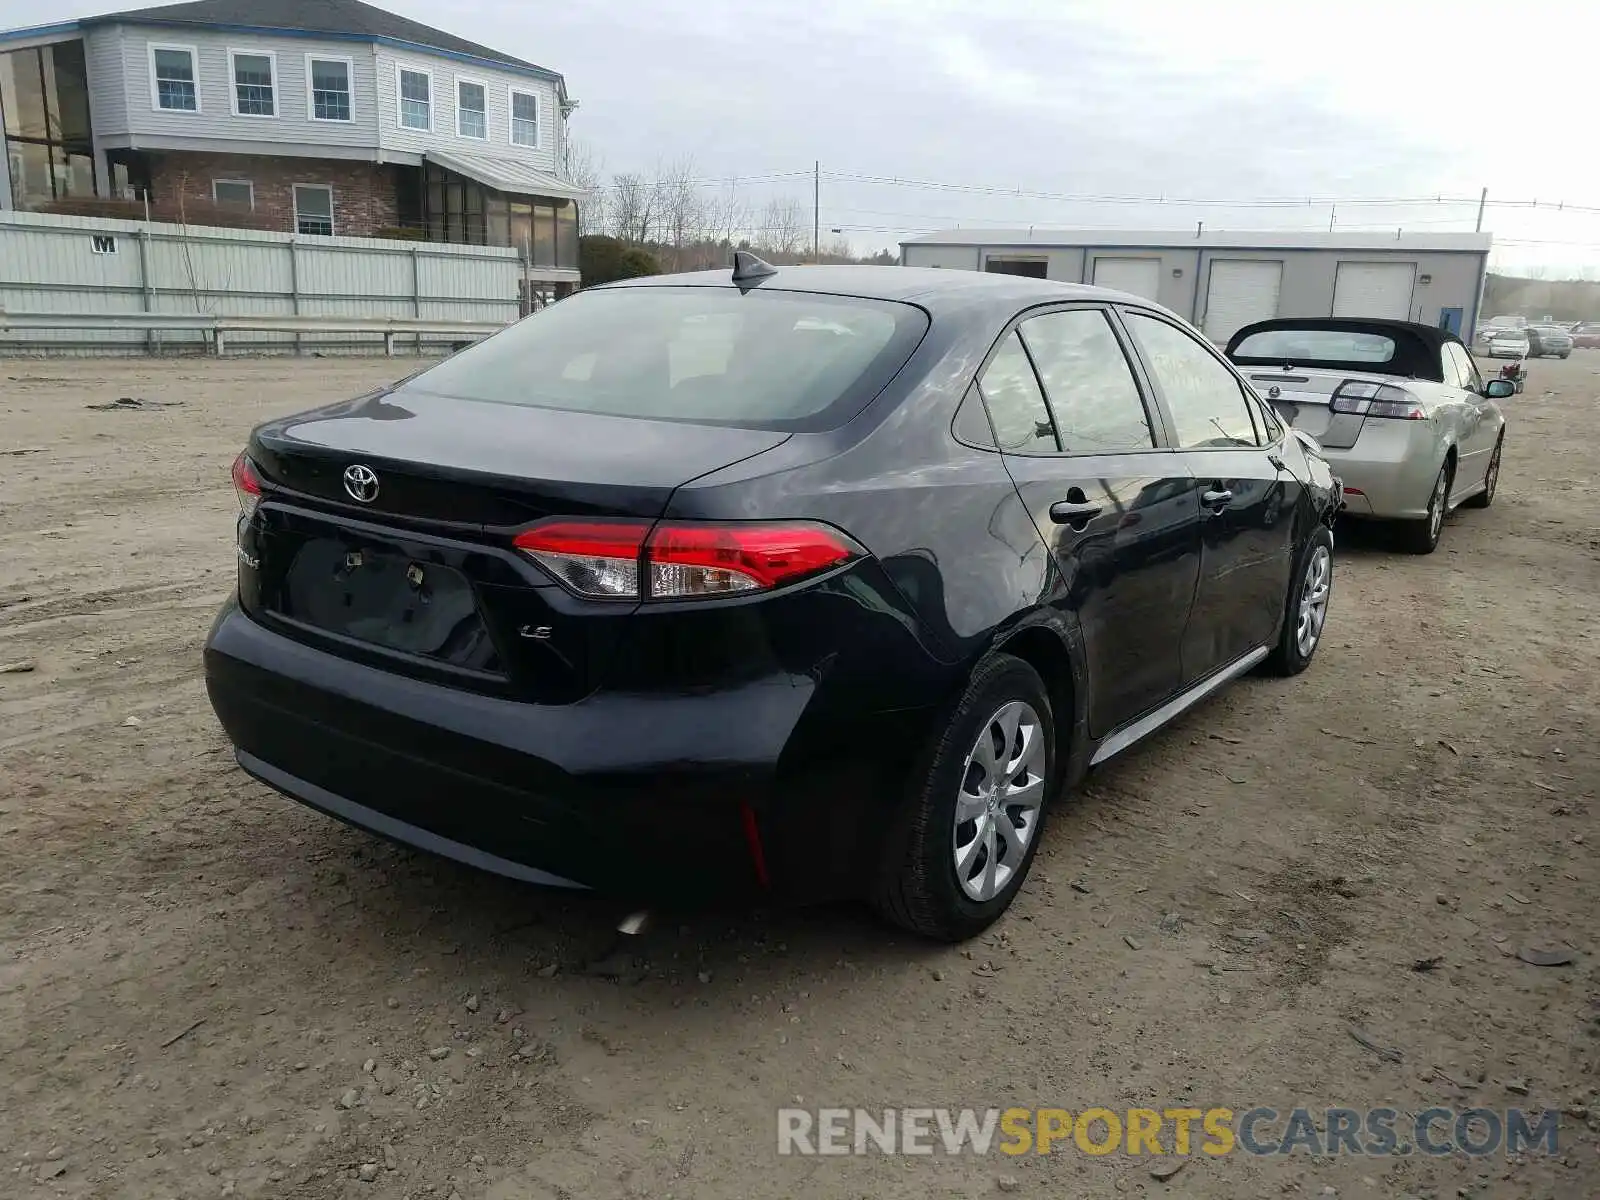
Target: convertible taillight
{"type": "Point", "coordinates": [1366, 399]}
{"type": "Point", "coordinates": [247, 485]}
{"type": "Point", "coordinates": [683, 560]}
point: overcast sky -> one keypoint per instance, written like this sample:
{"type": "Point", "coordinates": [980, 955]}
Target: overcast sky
{"type": "Point", "coordinates": [1233, 99]}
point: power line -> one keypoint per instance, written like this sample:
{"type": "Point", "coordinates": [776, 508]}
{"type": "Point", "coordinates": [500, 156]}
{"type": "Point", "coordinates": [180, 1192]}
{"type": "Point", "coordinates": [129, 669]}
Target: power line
{"type": "Point", "coordinates": [1218, 201]}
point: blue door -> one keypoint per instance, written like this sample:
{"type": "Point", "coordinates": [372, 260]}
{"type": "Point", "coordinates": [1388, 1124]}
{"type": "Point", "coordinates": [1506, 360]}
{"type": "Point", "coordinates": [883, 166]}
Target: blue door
{"type": "Point", "coordinates": [1450, 318]}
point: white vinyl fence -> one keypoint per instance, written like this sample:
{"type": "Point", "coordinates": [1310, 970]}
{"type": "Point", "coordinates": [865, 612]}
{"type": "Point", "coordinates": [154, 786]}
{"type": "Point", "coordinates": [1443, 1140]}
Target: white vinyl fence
{"type": "Point", "coordinates": [90, 265]}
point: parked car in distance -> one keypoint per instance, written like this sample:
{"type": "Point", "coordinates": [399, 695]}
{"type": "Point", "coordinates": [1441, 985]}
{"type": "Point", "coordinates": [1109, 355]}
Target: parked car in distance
{"type": "Point", "coordinates": [1400, 410]}
{"type": "Point", "coordinates": [1587, 336]}
{"type": "Point", "coordinates": [1508, 343]}
{"type": "Point", "coordinates": [1549, 341]}
{"type": "Point", "coordinates": [787, 584]}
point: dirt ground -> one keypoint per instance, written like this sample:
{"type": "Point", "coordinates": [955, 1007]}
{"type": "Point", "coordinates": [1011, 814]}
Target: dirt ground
{"type": "Point", "coordinates": [207, 990]}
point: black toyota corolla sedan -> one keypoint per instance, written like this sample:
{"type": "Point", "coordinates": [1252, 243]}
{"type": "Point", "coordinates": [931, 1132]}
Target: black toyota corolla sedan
{"type": "Point", "coordinates": [783, 584]}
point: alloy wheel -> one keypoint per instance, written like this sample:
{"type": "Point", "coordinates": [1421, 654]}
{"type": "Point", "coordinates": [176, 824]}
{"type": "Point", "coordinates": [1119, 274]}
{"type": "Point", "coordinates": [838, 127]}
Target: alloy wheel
{"type": "Point", "coordinates": [1314, 601]}
{"type": "Point", "coordinates": [1436, 505]}
{"type": "Point", "coordinates": [997, 810]}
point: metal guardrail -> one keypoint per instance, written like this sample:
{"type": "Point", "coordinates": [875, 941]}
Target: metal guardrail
{"type": "Point", "coordinates": [220, 327]}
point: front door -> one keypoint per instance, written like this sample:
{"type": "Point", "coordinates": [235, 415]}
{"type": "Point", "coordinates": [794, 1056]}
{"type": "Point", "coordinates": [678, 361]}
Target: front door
{"type": "Point", "coordinates": [1119, 516]}
{"type": "Point", "coordinates": [1247, 503]}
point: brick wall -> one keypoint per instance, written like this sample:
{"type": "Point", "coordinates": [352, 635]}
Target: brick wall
{"type": "Point", "coordinates": [363, 193]}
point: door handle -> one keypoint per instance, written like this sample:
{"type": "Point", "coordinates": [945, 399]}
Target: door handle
{"type": "Point", "coordinates": [1216, 499]}
{"type": "Point", "coordinates": [1067, 512]}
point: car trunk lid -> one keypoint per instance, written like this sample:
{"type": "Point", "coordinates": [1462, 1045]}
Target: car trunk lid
{"type": "Point", "coordinates": [1302, 397]}
{"type": "Point", "coordinates": [385, 530]}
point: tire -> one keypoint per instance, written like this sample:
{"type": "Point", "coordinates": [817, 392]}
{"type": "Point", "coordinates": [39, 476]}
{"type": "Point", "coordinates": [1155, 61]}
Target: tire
{"type": "Point", "coordinates": [1313, 571]}
{"type": "Point", "coordinates": [1491, 478]}
{"type": "Point", "coordinates": [920, 886]}
{"type": "Point", "coordinates": [1565, 356]}
{"type": "Point", "coordinates": [1422, 537]}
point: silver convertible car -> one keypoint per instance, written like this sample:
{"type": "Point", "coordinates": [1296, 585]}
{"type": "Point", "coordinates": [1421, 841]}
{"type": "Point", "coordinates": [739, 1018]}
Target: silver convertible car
{"type": "Point", "coordinates": [1400, 411]}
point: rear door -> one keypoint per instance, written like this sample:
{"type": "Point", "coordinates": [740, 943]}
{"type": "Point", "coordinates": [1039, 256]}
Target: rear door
{"type": "Point", "coordinates": [1119, 515]}
{"type": "Point", "coordinates": [1247, 504]}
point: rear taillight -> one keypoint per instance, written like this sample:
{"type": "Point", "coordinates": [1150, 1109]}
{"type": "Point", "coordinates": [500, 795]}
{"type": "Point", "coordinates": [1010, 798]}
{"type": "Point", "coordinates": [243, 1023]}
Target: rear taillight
{"type": "Point", "coordinates": [681, 560]}
{"type": "Point", "coordinates": [1377, 400]}
{"type": "Point", "coordinates": [247, 484]}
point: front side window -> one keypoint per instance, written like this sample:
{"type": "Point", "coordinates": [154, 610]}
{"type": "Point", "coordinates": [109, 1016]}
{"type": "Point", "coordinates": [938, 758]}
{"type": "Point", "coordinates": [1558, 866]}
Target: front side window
{"type": "Point", "coordinates": [174, 78]}
{"type": "Point", "coordinates": [472, 110]}
{"type": "Point", "coordinates": [1205, 399]}
{"type": "Point", "coordinates": [416, 100]}
{"type": "Point", "coordinates": [1021, 421]}
{"type": "Point", "coordinates": [711, 355]}
{"type": "Point", "coordinates": [313, 209]}
{"type": "Point", "coordinates": [524, 119]}
{"type": "Point", "coordinates": [330, 89]}
{"type": "Point", "coordinates": [1088, 382]}
{"type": "Point", "coordinates": [253, 90]}
{"type": "Point", "coordinates": [1465, 367]}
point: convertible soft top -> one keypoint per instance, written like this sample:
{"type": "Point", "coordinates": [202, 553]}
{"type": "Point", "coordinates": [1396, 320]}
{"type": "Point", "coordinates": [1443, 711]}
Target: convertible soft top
{"type": "Point", "coordinates": [1416, 347]}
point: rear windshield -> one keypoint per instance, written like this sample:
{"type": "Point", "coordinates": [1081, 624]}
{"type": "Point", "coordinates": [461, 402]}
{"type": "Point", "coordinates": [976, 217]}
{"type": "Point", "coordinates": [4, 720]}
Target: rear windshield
{"type": "Point", "coordinates": [762, 359]}
{"type": "Point", "coordinates": [1316, 345]}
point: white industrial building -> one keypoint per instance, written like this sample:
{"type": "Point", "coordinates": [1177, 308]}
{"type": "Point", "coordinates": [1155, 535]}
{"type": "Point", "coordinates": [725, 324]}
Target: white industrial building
{"type": "Point", "coordinates": [1222, 281]}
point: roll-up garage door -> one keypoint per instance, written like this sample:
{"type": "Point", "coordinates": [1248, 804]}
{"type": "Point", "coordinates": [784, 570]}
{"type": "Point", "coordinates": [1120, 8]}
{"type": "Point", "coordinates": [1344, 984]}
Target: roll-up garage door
{"type": "Point", "coordinates": [1366, 289]}
{"type": "Point", "coordinates": [1141, 276]}
{"type": "Point", "coordinates": [1240, 291]}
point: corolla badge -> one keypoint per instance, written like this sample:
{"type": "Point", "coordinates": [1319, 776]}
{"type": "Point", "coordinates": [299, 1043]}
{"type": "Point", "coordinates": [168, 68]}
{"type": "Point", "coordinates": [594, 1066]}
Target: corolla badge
{"type": "Point", "coordinates": [361, 482]}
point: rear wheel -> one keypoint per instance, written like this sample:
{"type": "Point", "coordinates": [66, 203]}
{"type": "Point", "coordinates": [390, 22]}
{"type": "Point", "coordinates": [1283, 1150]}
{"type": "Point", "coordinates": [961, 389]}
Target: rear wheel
{"type": "Point", "coordinates": [1422, 537]}
{"type": "Point", "coordinates": [1306, 608]}
{"type": "Point", "coordinates": [1491, 479]}
{"type": "Point", "coordinates": [966, 835]}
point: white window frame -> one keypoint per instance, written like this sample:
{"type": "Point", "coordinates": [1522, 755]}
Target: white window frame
{"type": "Point", "coordinates": [350, 79]}
{"type": "Point", "coordinates": [294, 196]}
{"type": "Point", "coordinates": [155, 88]}
{"type": "Point", "coordinates": [484, 84]}
{"type": "Point", "coordinates": [239, 183]}
{"type": "Point", "coordinates": [233, 84]}
{"type": "Point", "coordinates": [512, 93]}
{"type": "Point", "coordinates": [401, 70]}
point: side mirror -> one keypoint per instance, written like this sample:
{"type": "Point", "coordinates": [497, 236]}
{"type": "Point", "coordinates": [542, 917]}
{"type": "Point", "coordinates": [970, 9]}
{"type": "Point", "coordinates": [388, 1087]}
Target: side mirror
{"type": "Point", "coordinates": [1499, 389]}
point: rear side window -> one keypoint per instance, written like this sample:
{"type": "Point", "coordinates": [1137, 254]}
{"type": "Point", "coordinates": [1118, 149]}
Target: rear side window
{"type": "Point", "coordinates": [1206, 400]}
{"type": "Point", "coordinates": [1088, 382]}
{"type": "Point", "coordinates": [762, 359]}
{"type": "Point", "coordinates": [1021, 421]}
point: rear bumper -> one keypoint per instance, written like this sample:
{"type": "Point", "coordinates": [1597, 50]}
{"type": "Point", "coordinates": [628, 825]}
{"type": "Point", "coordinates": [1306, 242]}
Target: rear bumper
{"type": "Point", "coordinates": [653, 798]}
{"type": "Point", "coordinates": [1390, 471]}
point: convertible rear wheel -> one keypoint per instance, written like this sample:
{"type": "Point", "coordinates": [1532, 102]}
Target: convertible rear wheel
{"type": "Point", "coordinates": [967, 833]}
{"type": "Point", "coordinates": [1422, 537]}
{"type": "Point", "coordinates": [1491, 479]}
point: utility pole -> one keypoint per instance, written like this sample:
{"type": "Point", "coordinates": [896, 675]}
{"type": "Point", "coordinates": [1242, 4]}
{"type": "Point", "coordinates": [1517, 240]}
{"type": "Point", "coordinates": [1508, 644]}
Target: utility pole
{"type": "Point", "coordinates": [1483, 198]}
{"type": "Point", "coordinates": [816, 211]}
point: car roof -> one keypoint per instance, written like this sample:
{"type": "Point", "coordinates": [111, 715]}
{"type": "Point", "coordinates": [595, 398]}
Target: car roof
{"type": "Point", "coordinates": [1416, 346]}
{"type": "Point", "coordinates": [933, 288]}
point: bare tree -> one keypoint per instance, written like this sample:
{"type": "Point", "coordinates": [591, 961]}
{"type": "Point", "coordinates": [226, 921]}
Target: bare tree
{"type": "Point", "coordinates": [632, 210]}
{"type": "Point", "coordinates": [783, 228]}
{"type": "Point", "coordinates": [581, 168]}
{"type": "Point", "coordinates": [682, 209]}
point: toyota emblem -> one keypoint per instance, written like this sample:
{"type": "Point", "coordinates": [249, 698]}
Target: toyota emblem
{"type": "Point", "coordinates": [1274, 392]}
{"type": "Point", "coordinates": [361, 482]}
